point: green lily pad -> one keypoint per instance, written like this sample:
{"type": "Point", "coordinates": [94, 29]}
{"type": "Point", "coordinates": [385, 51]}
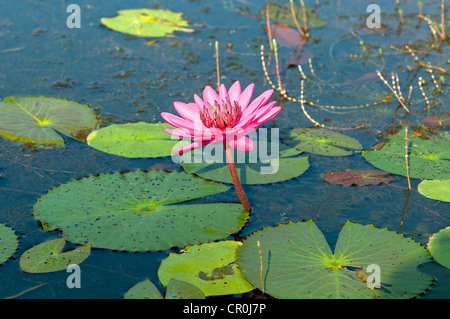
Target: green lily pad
{"type": "Point", "coordinates": [138, 211]}
{"type": "Point", "coordinates": [439, 247]}
{"type": "Point", "coordinates": [47, 257]}
{"type": "Point", "coordinates": [176, 289]}
{"type": "Point", "coordinates": [147, 22]}
{"type": "Point", "coordinates": [262, 170]}
{"type": "Point", "coordinates": [321, 141]}
{"type": "Point", "coordinates": [8, 242]}
{"type": "Point", "coordinates": [134, 140]}
{"type": "Point", "coordinates": [39, 119]}
{"type": "Point", "coordinates": [143, 290]}
{"type": "Point", "coordinates": [298, 262]}
{"type": "Point", "coordinates": [282, 14]}
{"type": "Point", "coordinates": [427, 158]}
{"type": "Point", "coordinates": [210, 267]}
{"type": "Point", "coordinates": [438, 189]}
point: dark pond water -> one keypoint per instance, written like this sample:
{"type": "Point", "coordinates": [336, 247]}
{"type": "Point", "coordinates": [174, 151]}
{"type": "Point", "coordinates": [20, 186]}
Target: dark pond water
{"type": "Point", "coordinates": [126, 80]}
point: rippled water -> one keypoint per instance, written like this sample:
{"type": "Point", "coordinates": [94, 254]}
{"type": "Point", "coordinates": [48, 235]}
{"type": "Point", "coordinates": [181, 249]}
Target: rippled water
{"type": "Point", "coordinates": [126, 80]}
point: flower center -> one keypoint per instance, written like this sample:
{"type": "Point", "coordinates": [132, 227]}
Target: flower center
{"type": "Point", "coordinates": [222, 116]}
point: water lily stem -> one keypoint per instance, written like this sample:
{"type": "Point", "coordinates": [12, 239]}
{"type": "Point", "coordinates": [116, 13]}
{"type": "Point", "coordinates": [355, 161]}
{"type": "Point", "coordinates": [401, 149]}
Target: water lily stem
{"type": "Point", "coordinates": [235, 177]}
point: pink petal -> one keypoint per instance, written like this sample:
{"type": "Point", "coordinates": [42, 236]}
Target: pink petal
{"type": "Point", "coordinates": [210, 96]}
{"type": "Point", "coordinates": [199, 102]}
{"type": "Point", "coordinates": [189, 147]}
{"type": "Point", "coordinates": [269, 115]}
{"type": "Point", "coordinates": [188, 111]}
{"type": "Point", "coordinates": [234, 92]}
{"type": "Point", "coordinates": [178, 132]}
{"type": "Point", "coordinates": [246, 96]}
{"type": "Point", "coordinates": [243, 143]}
{"type": "Point", "coordinates": [177, 121]}
{"type": "Point", "coordinates": [258, 102]}
{"type": "Point", "coordinates": [223, 94]}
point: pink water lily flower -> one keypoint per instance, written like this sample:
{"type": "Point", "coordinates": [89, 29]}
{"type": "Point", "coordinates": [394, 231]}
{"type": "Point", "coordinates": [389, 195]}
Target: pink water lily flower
{"type": "Point", "coordinates": [226, 117]}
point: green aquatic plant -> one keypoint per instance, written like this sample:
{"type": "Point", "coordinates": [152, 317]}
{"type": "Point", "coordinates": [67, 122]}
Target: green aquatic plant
{"type": "Point", "coordinates": [211, 267]}
{"type": "Point", "coordinates": [439, 247]}
{"type": "Point", "coordinates": [176, 289]}
{"type": "Point", "coordinates": [8, 243]}
{"type": "Point", "coordinates": [138, 211]}
{"type": "Point", "coordinates": [147, 22]}
{"type": "Point", "coordinates": [427, 158]}
{"type": "Point", "coordinates": [134, 140]}
{"type": "Point", "coordinates": [39, 119]}
{"type": "Point", "coordinates": [435, 189]}
{"type": "Point", "coordinates": [321, 141]}
{"type": "Point", "coordinates": [299, 263]}
{"type": "Point", "coordinates": [48, 257]}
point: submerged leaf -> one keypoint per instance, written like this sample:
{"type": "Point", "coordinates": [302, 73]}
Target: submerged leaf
{"type": "Point", "coordinates": [8, 242]}
{"type": "Point", "coordinates": [139, 211]}
{"type": "Point", "coordinates": [37, 119]}
{"type": "Point", "coordinates": [360, 177]}
{"type": "Point", "coordinates": [47, 257]}
{"type": "Point", "coordinates": [147, 22]}
{"type": "Point", "coordinates": [210, 267]}
{"type": "Point", "coordinates": [298, 262]}
{"type": "Point", "coordinates": [437, 120]}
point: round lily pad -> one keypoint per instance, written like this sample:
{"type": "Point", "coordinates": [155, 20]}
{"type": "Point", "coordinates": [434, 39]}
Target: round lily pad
{"type": "Point", "coordinates": [138, 211]}
{"type": "Point", "coordinates": [39, 119]}
{"type": "Point", "coordinates": [134, 140]}
{"type": "Point", "coordinates": [47, 257]}
{"type": "Point", "coordinates": [147, 22]}
{"type": "Point", "coordinates": [176, 289]}
{"type": "Point", "coordinates": [427, 158]}
{"type": "Point", "coordinates": [298, 262]}
{"type": "Point", "coordinates": [8, 242]}
{"type": "Point", "coordinates": [210, 267]}
{"type": "Point", "coordinates": [273, 168]}
{"type": "Point", "coordinates": [439, 247]}
{"type": "Point", "coordinates": [435, 189]}
{"type": "Point", "coordinates": [321, 141]}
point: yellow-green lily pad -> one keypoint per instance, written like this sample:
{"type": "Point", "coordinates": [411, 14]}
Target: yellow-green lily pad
{"type": "Point", "coordinates": [210, 267]}
{"type": "Point", "coordinates": [39, 119]}
{"type": "Point", "coordinates": [438, 189]}
{"type": "Point", "coordinates": [47, 257]}
{"type": "Point", "coordinates": [147, 22]}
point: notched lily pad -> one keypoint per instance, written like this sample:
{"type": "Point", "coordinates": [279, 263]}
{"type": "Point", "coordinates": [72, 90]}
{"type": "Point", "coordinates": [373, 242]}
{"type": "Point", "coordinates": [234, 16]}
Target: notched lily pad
{"type": "Point", "coordinates": [281, 163]}
{"type": "Point", "coordinates": [299, 263]}
{"type": "Point", "coordinates": [139, 211]}
{"type": "Point", "coordinates": [8, 243]}
{"type": "Point", "coordinates": [134, 140]}
{"type": "Point", "coordinates": [427, 158]}
{"type": "Point", "coordinates": [210, 267]}
{"type": "Point", "coordinates": [359, 177]}
{"type": "Point", "coordinates": [39, 119]}
{"type": "Point", "coordinates": [321, 141]}
{"type": "Point", "coordinates": [147, 22]}
{"type": "Point", "coordinates": [47, 257]}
